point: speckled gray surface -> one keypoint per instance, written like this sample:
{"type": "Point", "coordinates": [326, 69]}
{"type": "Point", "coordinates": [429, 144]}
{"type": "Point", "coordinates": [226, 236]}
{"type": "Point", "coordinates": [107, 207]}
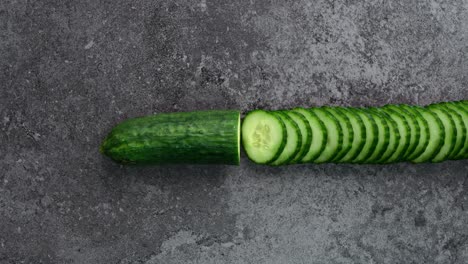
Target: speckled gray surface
{"type": "Point", "coordinates": [70, 70]}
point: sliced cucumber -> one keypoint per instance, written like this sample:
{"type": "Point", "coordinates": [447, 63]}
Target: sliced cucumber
{"type": "Point", "coordinates": [319, 135]}
{"type": "Point", "coordinates": [383, 135]}
{"type": "Point", "coordinates": [459, 127]}
{"type": "Point", "coordinates": [306, 133]}
{"type": "Point", "coordinates": [457, 107]}
{"type": "Point", "coordinates": [393, 139]}
{"type": "Point", "coordinates": [436, 136]}
{"type": "Point", "coordinates": [334, 135]}
{"type": "Point", "coordinates": [403, 130]}
{"type": "Point", "coordinates": [264, 136]}
{"type": "Point", "coordinates": [359, 131]}
{"type": "Point", "coordinates": [293, 140]}
{"type": "Point", "coordinates": [423, 132]}
{"type": "Point", "coordinates": [348, 132]}
{"type": "Point", "coordinates": [414, 132]}
{"type": "Point", "coordinates": [450, 133]}
{"type": "Point", "coordinates": [371, 135]}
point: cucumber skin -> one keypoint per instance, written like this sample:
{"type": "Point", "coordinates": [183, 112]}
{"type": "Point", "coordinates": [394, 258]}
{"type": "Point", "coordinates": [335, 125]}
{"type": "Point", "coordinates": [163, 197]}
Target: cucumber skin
{"type": "Point", "coordinates": [201, 137]}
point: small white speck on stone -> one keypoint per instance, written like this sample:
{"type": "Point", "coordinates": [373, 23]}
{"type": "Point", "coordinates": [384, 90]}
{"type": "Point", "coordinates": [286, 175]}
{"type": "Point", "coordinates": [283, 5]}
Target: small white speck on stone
{"type": "Point", "coordinates": [203, 6]}
{"type": "Point", "coordinates": [89, 45]}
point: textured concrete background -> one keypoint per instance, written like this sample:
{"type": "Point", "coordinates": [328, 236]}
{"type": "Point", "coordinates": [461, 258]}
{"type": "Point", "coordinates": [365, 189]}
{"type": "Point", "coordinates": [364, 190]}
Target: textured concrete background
{"type": "Point", "coordinates": [70, 70]}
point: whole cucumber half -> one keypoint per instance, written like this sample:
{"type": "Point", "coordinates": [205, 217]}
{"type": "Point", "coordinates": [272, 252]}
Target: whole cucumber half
{"type": "Point", "coordinates": [202, 137]}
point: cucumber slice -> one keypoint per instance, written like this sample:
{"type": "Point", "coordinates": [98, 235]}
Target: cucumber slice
{"type": "Point", "coordinates": [319, 135]}
{"type": "Point", "coordinates": [306, 133]}
{"type": "Point", "coordinates": [359, 131]}
{"type": "Point", "coordinates": [293, 140]}
{"type": "Point", "coordinates": [436, 136]}
{"type": "Point", "coordinates": [383, 135]}
{"type": "Point", "coordinates": [403, 130]}
{"type": "Point", "coordinates": [393, 139]}
{"type": "Point", "coordinates": [371, 135]}
{"type": "Point", "coordinates": [459, 127]}
{"type": "Point", "coordinates": [459, 109]}
{"type": "Point", "coordinates": [263, 136]}
{"type": "Point", "coordinates": [415, 130]}
{"type": "Point", "coordinates": [334, 135]}
{"type": "Point", "coordinates": [423, 132]}
{"type": "Point", "coordinates": [450, 132]}
{"type": "Point", "coordinates": [348, 132]}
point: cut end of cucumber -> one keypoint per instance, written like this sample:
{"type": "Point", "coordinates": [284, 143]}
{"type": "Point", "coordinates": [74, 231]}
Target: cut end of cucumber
{"type": "Point", "coordinates": [263, 136]}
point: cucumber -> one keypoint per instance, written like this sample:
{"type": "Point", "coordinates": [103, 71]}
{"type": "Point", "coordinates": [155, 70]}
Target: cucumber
{"type": "Point", "coordinates": [334, 135]}
{"type": "Point", "coordinates": [319, 135]}
{"type": "Point", "coordinates": [403, 131]}
{"type": "Point", "coordinates": [306, 133]}
{"type": "Point", "coordinates": [459, 127]}
{"type": "Point", "coordinates": [293, 140]}
{"type": "Point", "coordinates": [359, 132]}
{"type": "Point", "coordinates": [383, 135]}
{"type": "Point", "coordinates": [393, 139]}
{"type": "Point", "coordinates": [463, 153]}
{"type": "Point", "coordinates": [450, 133]}
{"type": "Point", "coordinates": [423, 132]}
{"type": "Point", "coordinates": [263, 136]}
{"type": "Point", "coordinates": [348, 132]}
{"type": "Point", "coordinates": [371, 135]}
{"type": "Point", "coordinates": [436, 136]}
{"type": "Point", "coordinates": [203, 137]}
{"type": "Point", "coordinates": [415, 130]}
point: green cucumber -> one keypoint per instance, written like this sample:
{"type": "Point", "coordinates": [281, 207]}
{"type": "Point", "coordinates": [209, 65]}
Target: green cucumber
{"type": "Point", "coordinates": [459, 127]}
{"type": "Point", "coordinates": [383, 135]}
{"type": "Point", "coordinates": [263, 136]}
{"type": "Point", "coordinates": [424, 135]}
{"type": "Point", "coordinates": [319, 135]}
{"type": "Point", "coordinates": [436, 136]}
{"type": "Point", "coordinates": [293, 140]}
{"type": "Point", "coordinates": [203, 137]}
{"type": "Point", "coordinates": [334, 135]}
{"type": "Point", "coordinates": [348, 132]}
{"type": "Point", "coordinates": [414, 132]}
{"type": "Point", "coordinates": [306, 133]}
{"type": "Point", "coordinates": [359, 132]}
{"type": "Point", "coordinates": [393, 139]}
{"type": "Point", "coordinates": [371, 135]}
{"type": "Point", "coordinates": [450, 132]}
{"type": "Point", "coordinates": [403, 131]}
{"type": "Point", "coordinates": [459, 109]}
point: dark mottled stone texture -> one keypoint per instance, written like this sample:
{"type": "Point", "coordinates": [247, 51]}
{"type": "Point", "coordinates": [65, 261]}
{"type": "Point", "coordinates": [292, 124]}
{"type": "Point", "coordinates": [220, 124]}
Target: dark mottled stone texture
{"type": "Point", "coordinates": [70, 70]}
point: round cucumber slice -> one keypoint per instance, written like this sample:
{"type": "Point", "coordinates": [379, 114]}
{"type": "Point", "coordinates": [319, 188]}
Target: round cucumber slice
{"type": "Point", "coordinates": [293, 140]}
{"type": "Point", "coordinates": [306, 133]}
{"type": "Point", "coordinates": [450, 133]}
{"type": "Point", "coordinates": [359, 131]}
{"type": "Point", "coordinates": [371, 135]}
{"type": "Point", "coordinates": [348, 132]}
{"type": "Point", "coordinates": [459, 127]}
{"type": "Point", "coordinates": [403, 130]}
{"type": "Point", "coordinates": [423, 132]}
{"type": "Point", "coordinates": [383, 135]}
{"type": "Point", "coordinates": [319, 135]}
{"type": "Point", "coordinates": [263, 136]}
{"type": "Point", "coordinates": [334, 135]}
{"type": "Point", "coordinates": [436, 136]}
{"type": "Point", "coordinates": [415, 130]}
{"type": "Point", "coordinates": [393, 139]}
{"type": "Point", "coordinates": [459, 109]}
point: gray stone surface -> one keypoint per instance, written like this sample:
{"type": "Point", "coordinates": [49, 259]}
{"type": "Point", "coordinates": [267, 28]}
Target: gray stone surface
{"type": "Point", "coordinates": [70, 70]}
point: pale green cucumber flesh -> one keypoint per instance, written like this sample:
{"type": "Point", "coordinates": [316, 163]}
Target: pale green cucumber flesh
{"type": "Point", "coordinates": [264, 136]}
